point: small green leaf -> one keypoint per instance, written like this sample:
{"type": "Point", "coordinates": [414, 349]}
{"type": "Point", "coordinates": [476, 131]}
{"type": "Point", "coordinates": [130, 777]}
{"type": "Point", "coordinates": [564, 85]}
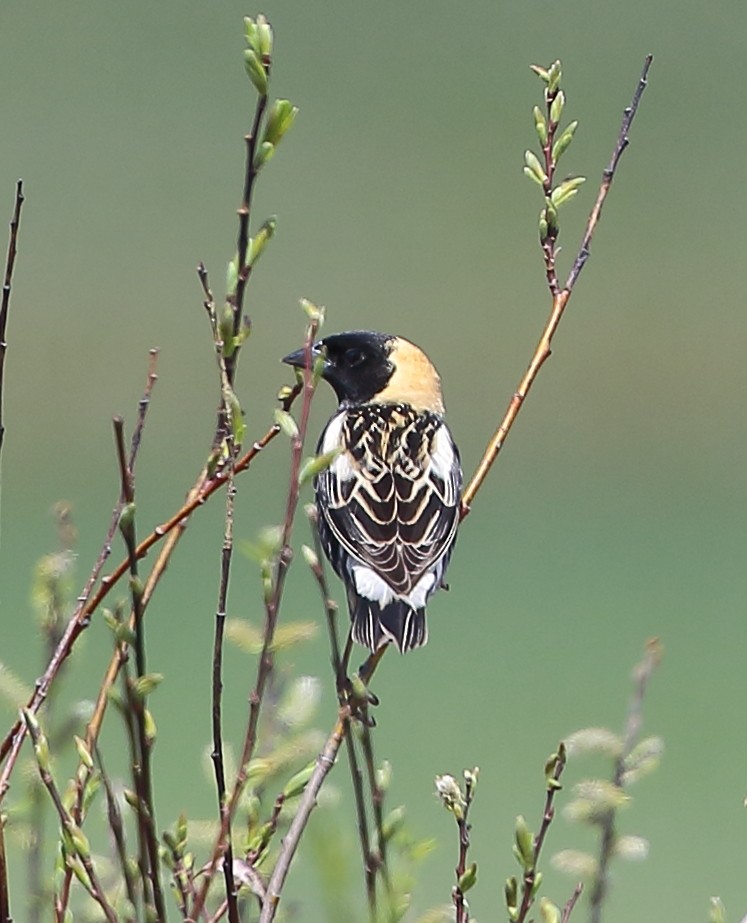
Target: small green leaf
{"type": "Point", "coordinates": [225, 330]}
{"type": "Point", "coordinates": [256, 71]}
{"type": "Point", "coordinates": [258, 243]}
{"type": "Point", "coordinates": [127, 517]}
{"type": "Point", "coordinates": [543, 229]}
{"type": "Point", "coordinates": [263, 154]}
{"type": "Point", "coordinates": [562, 142]}
{"type": "Point", "coordinates": [84, 753]}
{"type": "Point", "coordinates": [79, 841]}
{"type": "Point", "coordinates": [533, 168]}
{"type": "Point", "coordinates": [557, 106]}
{"type": "Point", "coordinates": [393, 823]}
{"type": "Point", "coordinates": [310, 556]}
{"type": "Point", "coordinates": [540, 125]}
{"type": "Point", "coordinates": [524, 844]}
{"type": "Point", "coordinates": [311, 467]}
{"type": "Point", "coordinates": [279, 121]}
{"type": "Point", "coordinates": [541, 72]}
{"type": "Point", "coordinates": [144, 685]}
{"type": "Point", "coordinates": [384, 776]}
{"type": "Point", "coordinates": [149, 726]}
{"type": "Point", "coordinates": [297, 783]}
{"type": "Point", "coordinates": [548, 911]}
{"type": "Point", "coordinates": [566, 190]}
{"type": "Point", "coordinates": [468, 878]}
{"type": "Point", "coordinates": [511, 894]}
{"type": "Point", "coordinates": [232, 275]}
{"type": "Point", "coordinates": [554, 76]}
{"type": "Point", "coordinates": [264, 36]}
{"type": "Point", "coordinates": [286, 423]}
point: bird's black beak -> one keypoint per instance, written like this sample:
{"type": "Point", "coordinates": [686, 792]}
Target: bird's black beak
{"type": "Point", "coordinates": [298, 358]}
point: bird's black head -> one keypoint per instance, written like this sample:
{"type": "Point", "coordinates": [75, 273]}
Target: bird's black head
{"type": "Point", "coordinates": [356, 364]}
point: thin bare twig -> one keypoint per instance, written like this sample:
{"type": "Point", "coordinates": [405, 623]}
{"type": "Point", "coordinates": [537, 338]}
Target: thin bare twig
{"type": "Point", "coordinates": [173, 527]}
{"type": "Point", "coordinates": [560, 300]}
{"type": "Point", "coordinates": [10, 261]}
{"type": "Point", "coordinates": [571, 903]}
{"type": "Point", "coordinates": [642, 674]}
{"type": "Point", "coordinates": [116, 825]}
{"type": "Point", "coordinates": [464, 827]}
{"type": "Point", "coordinates": [84, 772]}
{"type": "Point", "coordinates": [554, 771]}
{"type": "Point", "coordinates": [324, 764]}
{"type": "Point", "coordinates": [142, 764]}
{"type": "Point", "coordinates": [72, 830]}
{"type": "Point", "coordinates": [272, 611]}
{"type": "Point", "coordinates": [370, 863]}
{"type": "Point", "coordinates": [5, 916]}
{"type": "Point", "coordinates": [80, 619]}
{"type": "Point", "coordinates": [226, 556]}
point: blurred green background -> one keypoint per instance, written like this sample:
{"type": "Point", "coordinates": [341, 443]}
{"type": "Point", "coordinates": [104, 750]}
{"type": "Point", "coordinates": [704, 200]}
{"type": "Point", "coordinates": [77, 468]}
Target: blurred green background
{"type": "Point", "coordinates": [617, 510]}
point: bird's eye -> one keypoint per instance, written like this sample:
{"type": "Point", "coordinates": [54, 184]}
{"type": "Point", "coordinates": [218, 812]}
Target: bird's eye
{"type": "Point", "coordinates": [354, 356]}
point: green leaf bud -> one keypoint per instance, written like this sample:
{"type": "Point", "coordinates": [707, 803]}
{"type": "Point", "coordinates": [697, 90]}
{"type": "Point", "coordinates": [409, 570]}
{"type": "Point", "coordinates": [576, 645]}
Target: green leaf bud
{"type": "Point", "coordinates": [232, 275]}
{"type": "Point", "coordinates": [451, 795]}
{"type": "Point", "coordinates": [79, 841]}
{"type": "Point", "coordinates": [145, 684]}
{"type": "Point", "coordinates": [393, 823]}
{"type": "Point", "coordinates": [524, 844]}
{"type": "Point", "coordinates": [127, 517]}
{"type": "Point", "coordinates": [533, 168]}
{"type": "Point", "coordinates": [540, 125]}
{"type": "Point", "coordinates": [548, 911]}
{"type": "Point", "coordinates": [541, 72]}
{"type": "Point", "coordinates": [263, 154]}
{"type": "Point", "coordinates": [557, 106]}
{"type": "Point", "coordinates": [562, 142]}
{"type": "Point", "coordinates": [236, 416]}
{"type": "Point", "coordinates": [554, 76]}
{"type": "Point", "coordinates": [258, 243]}
{"type": "Point", "coordinates": [297, 783]}
{"type": "Point", "coordinates": [313, 466]}
{"type": "Point", "coordinates": [314, 312]}
{"type": "Point", "coordinates": [150, 728]}
{"type": "Point", "coordinates": [225, 331]}
{"type": "Point", "coordinates": [286, 423]}
{"type": "Point", "coordinates": [468, 878]}
{"type": "Point", "coordinates": [256, 71]}
{"type": "Point", "coordinates": [250, 33]}
{"type": "Point", "coordinates": [566, 190]}
{"type": "Point", "coordinates": [310, 556]}
{"type": "Point", "coordinates": [84, 753]}
{"type": "Point", "coordinates": [511, 893]}
{"type": "Point", "coordinates": [280, 119]}
{"type": "Point", "coordinates": [543, 229]}
{"type": "Point", "coordinates": [384, 776]}
{"type": "Point", "coordinates": [264, 37]}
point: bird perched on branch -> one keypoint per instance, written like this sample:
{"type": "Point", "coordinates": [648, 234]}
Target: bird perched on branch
{"type": "Point", "coordinates": [389, 502]}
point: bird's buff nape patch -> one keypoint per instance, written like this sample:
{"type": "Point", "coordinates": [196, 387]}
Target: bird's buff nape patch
{"type": "Point", "coordinates": [414, 380]}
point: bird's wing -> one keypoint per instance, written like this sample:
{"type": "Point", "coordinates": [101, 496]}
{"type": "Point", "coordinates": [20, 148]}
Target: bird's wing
{"type": "Point", "coordinates": [391, 498]}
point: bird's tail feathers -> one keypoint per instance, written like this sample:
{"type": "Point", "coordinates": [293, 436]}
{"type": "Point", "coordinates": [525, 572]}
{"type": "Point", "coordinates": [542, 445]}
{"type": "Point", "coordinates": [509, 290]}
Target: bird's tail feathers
{"type": "Point", "coordinates": [397, 622]}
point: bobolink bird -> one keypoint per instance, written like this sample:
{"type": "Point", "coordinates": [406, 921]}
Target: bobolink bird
{"type": "Point", "coordinates": [389, 503]}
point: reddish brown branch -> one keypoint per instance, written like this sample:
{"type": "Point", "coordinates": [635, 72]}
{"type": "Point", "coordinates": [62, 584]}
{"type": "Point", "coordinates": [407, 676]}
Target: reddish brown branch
{"type": "Point", "coordinates": [559, 302]}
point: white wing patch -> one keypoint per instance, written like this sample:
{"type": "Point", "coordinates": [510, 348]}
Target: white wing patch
{"type": "Point", "coordinates": [369, 585]}
{"type": "Point", "coordinates": [341, 467]}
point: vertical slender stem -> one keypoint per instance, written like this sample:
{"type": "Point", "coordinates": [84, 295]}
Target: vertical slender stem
{"type": "Point", "coordinates": [10, 261]}
{"type": "Point", "coordinates": [144, 770]}
{"type": "Point", "coordinates": [5, 916]}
